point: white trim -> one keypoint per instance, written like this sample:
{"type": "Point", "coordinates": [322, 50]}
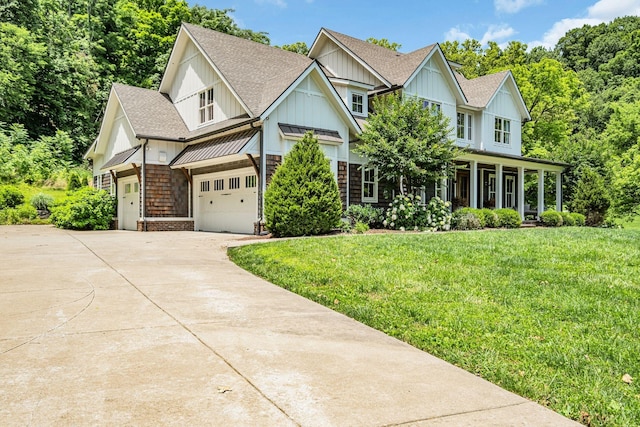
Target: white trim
{"type": "Point", "coordinates": [452, 79]}
{"type": "Point", "coordinates": [364, 102]}
{"type": "Point", "coordinates": [350, 53]}
{"type": "Point", "coordinates": [374, 198]}
{"type": "Point", "coordinates": [523, 105]}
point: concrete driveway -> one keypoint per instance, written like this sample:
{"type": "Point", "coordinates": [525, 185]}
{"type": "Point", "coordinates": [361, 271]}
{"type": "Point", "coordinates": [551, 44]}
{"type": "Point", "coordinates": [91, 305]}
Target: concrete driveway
{"type": "Point", "coordinates": [126, 328]}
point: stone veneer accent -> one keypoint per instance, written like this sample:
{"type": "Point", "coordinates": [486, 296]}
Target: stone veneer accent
{"type": "Point", "coordinates": [342, 183]}
{"type": "Point", "coordinates": [166, 192]}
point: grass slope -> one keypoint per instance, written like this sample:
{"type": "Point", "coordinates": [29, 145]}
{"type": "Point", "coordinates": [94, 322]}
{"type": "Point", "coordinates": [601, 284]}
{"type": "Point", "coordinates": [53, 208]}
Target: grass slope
{"type": "Point", "coordinates": [550, 314]}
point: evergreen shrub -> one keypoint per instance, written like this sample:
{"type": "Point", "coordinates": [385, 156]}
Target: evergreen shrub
{"type": "Point", "coordinates": [10, 197]}
{"type": "Point", "coordinates": [551, 219]}
{"type": "Point", "coordinates": [490, 218]}
{"type": "Point", "coordinates": [86, 209]}
{"type": "Point", "coordinates": [508, 218]}
{"type": "Point", "coordinates": [303, 197]}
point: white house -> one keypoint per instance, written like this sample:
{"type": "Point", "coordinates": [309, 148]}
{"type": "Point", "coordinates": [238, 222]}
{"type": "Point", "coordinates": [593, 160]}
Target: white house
{"type": "Point", "coordinates": [198, 153]}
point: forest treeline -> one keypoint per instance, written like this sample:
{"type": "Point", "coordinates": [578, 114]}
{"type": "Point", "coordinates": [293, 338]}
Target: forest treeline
{"type": "Point", "coordinates": [58, 59]}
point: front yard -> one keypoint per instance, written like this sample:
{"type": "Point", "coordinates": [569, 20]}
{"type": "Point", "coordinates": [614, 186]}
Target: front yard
{"type": "Point", "coordinates": [550, 314]}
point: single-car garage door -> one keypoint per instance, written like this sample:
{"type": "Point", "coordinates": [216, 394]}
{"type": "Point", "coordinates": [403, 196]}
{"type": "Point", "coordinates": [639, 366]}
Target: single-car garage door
{"type": "Point", "coordinates": [226, 201]}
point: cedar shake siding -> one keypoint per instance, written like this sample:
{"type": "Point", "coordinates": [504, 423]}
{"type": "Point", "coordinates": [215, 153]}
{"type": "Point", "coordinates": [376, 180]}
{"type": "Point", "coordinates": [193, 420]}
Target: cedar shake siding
{"type": "Point", "coordinates": [355, 184]}
{"type": "Point", "coordinates": [342, 183]}
{"type": "Point", "coordinates": [166, 192]}
{"type": "Point", "coordinates": [272, 163]}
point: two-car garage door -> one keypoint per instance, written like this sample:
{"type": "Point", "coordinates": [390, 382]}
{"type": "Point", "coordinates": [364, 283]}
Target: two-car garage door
{"type": "Point", "coordinates": [226, 201]}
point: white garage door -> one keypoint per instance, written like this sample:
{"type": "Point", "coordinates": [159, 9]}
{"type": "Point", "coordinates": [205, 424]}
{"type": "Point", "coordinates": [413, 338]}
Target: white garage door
{"type": "Point", "coordinates": [226, 201]}
{"type": "Point", "coordinates": [129, 203]}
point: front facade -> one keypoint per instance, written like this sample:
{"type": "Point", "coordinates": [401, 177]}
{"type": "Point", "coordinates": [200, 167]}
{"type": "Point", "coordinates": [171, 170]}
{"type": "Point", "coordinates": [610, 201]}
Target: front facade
{"type": "Point", "coordinates": [198, 153]}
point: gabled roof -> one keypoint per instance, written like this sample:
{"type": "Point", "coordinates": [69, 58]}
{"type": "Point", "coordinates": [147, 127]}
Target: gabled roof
{"type": "Point", "coordinates": [394, 68]}
{"type": "Point", "coordinates": [150, 113]}
{"type": "Point", "coordinates": [258, 74]}
{"type": "Point", "coordinates": [480, 91]}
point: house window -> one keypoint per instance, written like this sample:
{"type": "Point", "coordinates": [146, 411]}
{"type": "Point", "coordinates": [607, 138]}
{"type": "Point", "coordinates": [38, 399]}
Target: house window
{"type": "Point", "coordinates": [206, 105]}
{"type": "Point", "coordinates": [369, 185]}
{"type": "Point", "coordinates": [127, 188]}
{"type": "Point", "coordinates": [218, 185]}
{"type": "Point", "coordinates": [204, 186]}
{"type": "Point", "coordinates": [433, 106]}
{"type": "Point", "coordinates": [234, 183]}
{"type": "Point", "coordinates": [463, 128]}
{"type": "Point", "coordinates": [250, 181]}
{"type": "Point", "coordinates": [357, 102]}
{"type": "Point", "coordinates": [502, 133]}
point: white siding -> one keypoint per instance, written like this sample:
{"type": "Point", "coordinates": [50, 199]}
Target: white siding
{"type": "Point", "coordinates": [194, 75]}
{"type": "Point", "coordinates": [307, 106]}
{"type": "Point", "coordinates": [431, 84]}
{"type": "Point", "coordinates": [163, 152]}
{"type": "Point", "coordinates": [503, 105]}
{"type": "Point", "coordinates": [341, 64]}
{"type": "Point", "coordinates": [121, 137]}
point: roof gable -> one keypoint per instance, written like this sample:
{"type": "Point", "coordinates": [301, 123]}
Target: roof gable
{"type": "Point", "coordinates": [255, 73]}
{"type": "Point", "coordinates": [481, 91]}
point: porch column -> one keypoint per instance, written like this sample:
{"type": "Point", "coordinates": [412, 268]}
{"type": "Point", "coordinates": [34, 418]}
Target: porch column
{"type": "Point", "coordinates": [473, 190]}
{"type": "Point", "coordinates": [559, 191]}
{"type": "Point", "coordinates": [499, 195]}
{"type": "Point", "coordinates": [443, 189]}
{"type": "Point", "coordinates": [521, 191]}
{"type": "Point", "coordinates": [540, 192]}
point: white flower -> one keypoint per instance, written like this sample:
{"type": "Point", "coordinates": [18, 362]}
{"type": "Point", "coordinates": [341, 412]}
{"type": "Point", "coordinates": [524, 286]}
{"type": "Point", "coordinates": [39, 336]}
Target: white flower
{"type": "Point", "coordinates": [415, 228]}
{"type": "Point", "coordinates": [424, 209]}
{"type": "Point", "coordinates": [392, 225]}
{"type": "Point", "coordinates": [401, 228]}
{"type": "Point", "coordinates": [384, 222]}
{"type": "Point", "coordinates": [401, 207]}
{"type": "Point", "coordinates": [407, 216]}
{"type": "Point", "coordinates": [394, 217]}
{"type": "Point", "coordinates": [447, 204]}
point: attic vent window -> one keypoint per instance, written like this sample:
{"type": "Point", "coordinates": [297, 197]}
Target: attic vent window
{"type": "Point", "coordinates": [206, 105]}
{"type": "Point", "coordinates": [357, 102]}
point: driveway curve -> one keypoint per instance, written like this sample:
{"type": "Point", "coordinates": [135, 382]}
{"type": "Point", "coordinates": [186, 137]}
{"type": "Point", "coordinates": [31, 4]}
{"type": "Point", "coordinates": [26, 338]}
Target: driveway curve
{"type": "Point", "coordinates": [126, 328]}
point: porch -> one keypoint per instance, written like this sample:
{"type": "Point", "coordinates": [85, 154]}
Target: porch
{"type": "Point", "coordinates": [519, 183]}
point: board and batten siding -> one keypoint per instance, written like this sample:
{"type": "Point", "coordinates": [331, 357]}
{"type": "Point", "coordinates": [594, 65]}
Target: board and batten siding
{"type": "Point", "coordinates": [194, 75]}
{"type": "Point", "coordinates": [341, 64]}
{"type": "Point", "coordinates": [121, 138]}
{"type": "Point", "coordinates": [503, 105]}
{"type": "Point", "coordinates": [307, 106]}
{"type": "Point", "coordinates": [162, 152]}
{"type": "Point", "coordinates": [431, 84]}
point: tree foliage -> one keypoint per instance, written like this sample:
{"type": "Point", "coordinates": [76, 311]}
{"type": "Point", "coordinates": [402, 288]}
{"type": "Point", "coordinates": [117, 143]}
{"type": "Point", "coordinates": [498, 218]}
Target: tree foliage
{"type": "Point", "coordinates": [411, 146]}
{"type": "Point", "coordinates": [303, 197]}
{"type": "Point", "coordinates": [385, 43]}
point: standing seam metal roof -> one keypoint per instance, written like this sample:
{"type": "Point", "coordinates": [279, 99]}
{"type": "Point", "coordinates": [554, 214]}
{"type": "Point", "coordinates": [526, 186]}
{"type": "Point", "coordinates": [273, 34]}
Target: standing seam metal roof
{"type": "Point", "coordinates": [219, 147]}
{"type": "Point", "coordinates": [120, 158]}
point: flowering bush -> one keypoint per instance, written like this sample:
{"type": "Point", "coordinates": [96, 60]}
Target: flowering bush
{"type": "Point", "coordinates": [401, 214]}
{"type": "Point", "coordinates": [436, 216]}
{"type": "Point", "coordinates": [407, 213]}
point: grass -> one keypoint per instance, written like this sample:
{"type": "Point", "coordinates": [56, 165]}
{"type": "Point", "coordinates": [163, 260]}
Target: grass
{"type": "Point", "coordinates": [28, 191]}
{"type": "Point", "coordinates": [550, 314]}
{"type": "Point", "coordinates": [632, 224]}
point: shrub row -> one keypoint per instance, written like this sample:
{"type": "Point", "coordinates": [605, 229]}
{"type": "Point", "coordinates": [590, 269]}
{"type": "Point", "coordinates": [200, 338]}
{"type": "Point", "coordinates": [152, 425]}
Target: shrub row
{"type": "Point", "coordinates": [557, 219]}
{"type": "Point", "coordinates": [473, 219]}
{"type": "Point", "coordinates": [406, 212]}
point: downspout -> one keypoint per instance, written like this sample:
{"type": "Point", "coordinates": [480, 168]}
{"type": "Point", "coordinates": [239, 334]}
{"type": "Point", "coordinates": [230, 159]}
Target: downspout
{"type": "Point", "coordinates": [261, 177]}
{"type": "Point", "coordinates": [144, 184]}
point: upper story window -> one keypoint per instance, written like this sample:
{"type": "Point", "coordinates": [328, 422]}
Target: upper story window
{"type": "Point", "coordinates": [433, 106]}
{"type": "Point", "coordinates": [206, 105]}
{"type": "Point", "coordinates": [357, 102]}
{"type": "Point", "coordinates": [463, 126]}
{"type": "Point", "coordinates": [502, 133]}
{"type": "Point", "coordinates": [369, 185]}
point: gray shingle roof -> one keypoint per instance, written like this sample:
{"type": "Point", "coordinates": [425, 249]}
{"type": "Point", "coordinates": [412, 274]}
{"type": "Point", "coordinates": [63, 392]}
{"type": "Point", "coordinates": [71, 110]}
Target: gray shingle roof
{"type": "Point", "coordinates": [219, 147]}
{"type": "Point", "coordinates": [295, 131]}
{"type": "Point", "coordinates": [480, 90]}
{"type": "Point", "coordinates": [120, 158]}
{"type": "Point", "coordinates": [258, 73]}
{"type": "Point", "coordinates": [150, 113]}
{"type": "Point", "coordinates": [395, 67]}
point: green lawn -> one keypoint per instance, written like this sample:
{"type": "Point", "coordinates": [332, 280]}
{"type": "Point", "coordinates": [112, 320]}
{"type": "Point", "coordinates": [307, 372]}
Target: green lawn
{"type": "Point", "coordinates": [550, 314]}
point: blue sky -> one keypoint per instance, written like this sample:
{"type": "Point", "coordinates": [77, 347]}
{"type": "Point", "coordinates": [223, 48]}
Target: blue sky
{"type": "Point", "coordinates": [417, 23]}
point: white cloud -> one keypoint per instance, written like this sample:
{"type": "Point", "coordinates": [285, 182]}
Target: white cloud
{"type": "Point", "coordinates": [456, 33]}
{"type": "Point", "coordinates": [279, 3]}
{"type": "Point", "coordinates": [599, 12]}
{"type": "Point", "coordinates": [514, 6]}
{"type": "Point", "coordinates": [496, 33]}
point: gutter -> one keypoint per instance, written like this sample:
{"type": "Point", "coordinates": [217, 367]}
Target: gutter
{"type": "Point", "coordinates": [204, 135]}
